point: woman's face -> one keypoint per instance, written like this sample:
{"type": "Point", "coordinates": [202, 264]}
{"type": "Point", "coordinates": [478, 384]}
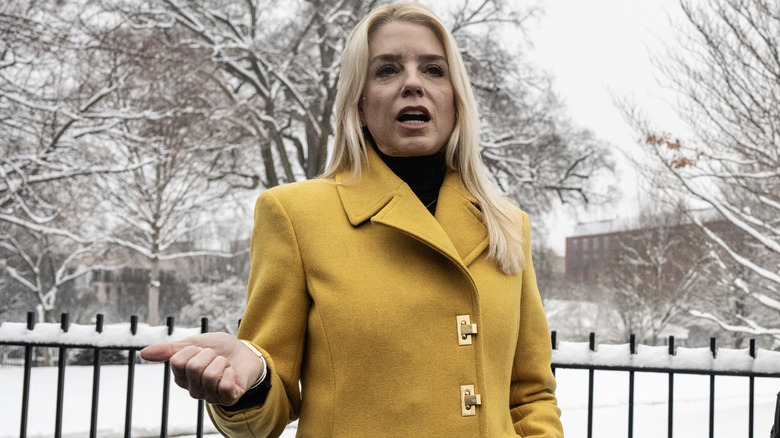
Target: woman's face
{"type": "Point", "coordinates": [407, 103]}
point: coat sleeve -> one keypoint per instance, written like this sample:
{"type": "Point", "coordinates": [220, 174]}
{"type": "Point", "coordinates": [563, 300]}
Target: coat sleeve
{"type": "Point", "coordinates": [274, 321]}
{"type": "Point", "coordinates": [533, 404]}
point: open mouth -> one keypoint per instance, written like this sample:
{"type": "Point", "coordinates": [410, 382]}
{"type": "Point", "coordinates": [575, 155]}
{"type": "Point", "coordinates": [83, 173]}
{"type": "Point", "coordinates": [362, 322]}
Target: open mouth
{"type": "Point", "coordinates": [414, 116]}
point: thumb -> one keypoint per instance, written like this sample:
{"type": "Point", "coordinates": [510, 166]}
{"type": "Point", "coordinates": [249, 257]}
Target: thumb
{"type": "Point", "coordinates": [162, 351]}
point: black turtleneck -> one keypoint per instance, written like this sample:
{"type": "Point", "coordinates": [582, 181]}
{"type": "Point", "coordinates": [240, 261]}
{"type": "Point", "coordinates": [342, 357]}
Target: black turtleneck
{"type": "Point", "coordinates": [423, 174]}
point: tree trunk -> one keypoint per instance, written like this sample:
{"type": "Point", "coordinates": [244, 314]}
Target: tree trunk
{"type": "Point", "coordinates": [153, 318]}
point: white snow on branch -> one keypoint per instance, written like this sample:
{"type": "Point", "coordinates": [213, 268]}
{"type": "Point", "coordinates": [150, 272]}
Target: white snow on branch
{"type": "Point", "coordinates": [767, 274]}
{"type": "Point", "coordinates": [751, 329]}
{"type": "Point", "coordinates": [43, 229]}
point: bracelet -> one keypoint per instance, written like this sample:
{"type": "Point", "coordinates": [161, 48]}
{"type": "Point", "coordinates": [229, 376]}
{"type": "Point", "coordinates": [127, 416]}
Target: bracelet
{"type": "Point", "coordinates": [262, 359]}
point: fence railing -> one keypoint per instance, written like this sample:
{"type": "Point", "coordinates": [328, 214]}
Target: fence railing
{"type": "Point", "coordinates": [631, 358]}
{"type": "Point", "coordinates": [129, 338]}
{"type": "Point", "coordinates": [121, 337]}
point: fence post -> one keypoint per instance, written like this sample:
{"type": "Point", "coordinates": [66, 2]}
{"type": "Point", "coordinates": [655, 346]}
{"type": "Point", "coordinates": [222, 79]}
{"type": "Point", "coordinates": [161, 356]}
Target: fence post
{"type": "Point", "coordinates": [28, 357]}
{"type": "Point", "coordinates": [130, 379]}
{"type": "Point", "coordinates": [554, 342]}
{"type": "Point", "coordinates": [166, 386]}
{"type": "Point", "coordinates": [204, 328]}
{"type": "Point", "coordinates": [714, 351]}
{"type": "Point", "coordinates": [670, 414]}
{"type": "Point", "coordinates": [591, 373]}
{"type": "Point", "coordinates": [752, 390]}
{"type": "Point", "coordinates": [632, 351]}
{"type": "Point", "coordinates": [62, 358]}
{"type": "Point", "coordinates": [95, 379]}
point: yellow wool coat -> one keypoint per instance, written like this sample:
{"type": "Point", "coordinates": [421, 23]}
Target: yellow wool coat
{"type": "Point", "coordinates": [358, 292]}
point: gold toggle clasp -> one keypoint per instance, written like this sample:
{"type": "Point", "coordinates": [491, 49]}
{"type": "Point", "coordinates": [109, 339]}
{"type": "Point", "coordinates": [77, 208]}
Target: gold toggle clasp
{"type": "Point", "coordinates": [465, 329]}
{"type": "Point", "coordinates": [469, 401]}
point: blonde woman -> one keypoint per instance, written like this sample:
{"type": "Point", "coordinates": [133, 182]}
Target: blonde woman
{"type": "Point", "coordinates": [394, 296]}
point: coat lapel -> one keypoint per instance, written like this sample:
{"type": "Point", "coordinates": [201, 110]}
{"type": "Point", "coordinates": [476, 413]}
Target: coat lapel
{"type": "Point", "coordinates": [461, 219]}
{"type": "Point", "coordinates": [381, 197]}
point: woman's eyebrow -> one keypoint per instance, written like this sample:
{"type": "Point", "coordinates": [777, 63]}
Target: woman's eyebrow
{"type": "Point", "coordinates": [386, 57]}
{"type": "Point", "coordinates": [390, 57]}
{"type": "Point", "coordinates": [430, 58]}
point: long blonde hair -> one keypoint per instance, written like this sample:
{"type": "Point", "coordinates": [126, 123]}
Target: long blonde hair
{"type": "Point", "coordinates": [503, 223]}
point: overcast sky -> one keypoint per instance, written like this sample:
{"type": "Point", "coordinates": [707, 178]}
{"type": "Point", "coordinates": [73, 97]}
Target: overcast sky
{"type": "Point", "coordinates": [597, 49]}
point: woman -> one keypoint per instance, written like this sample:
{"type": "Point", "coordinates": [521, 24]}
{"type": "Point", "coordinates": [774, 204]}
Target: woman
{"type": "Point", "coordinates": [398, 288]}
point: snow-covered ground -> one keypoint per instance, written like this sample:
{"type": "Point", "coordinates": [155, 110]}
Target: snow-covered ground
{"type": "Point", "coordinates": [610, 417]}
{"type": "Point", "coordinates": [691, 405]}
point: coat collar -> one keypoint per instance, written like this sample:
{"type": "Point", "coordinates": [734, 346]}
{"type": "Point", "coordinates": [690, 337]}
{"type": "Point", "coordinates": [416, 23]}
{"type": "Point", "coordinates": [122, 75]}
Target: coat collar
{"type": "Point", "coordinates": [379, 196]}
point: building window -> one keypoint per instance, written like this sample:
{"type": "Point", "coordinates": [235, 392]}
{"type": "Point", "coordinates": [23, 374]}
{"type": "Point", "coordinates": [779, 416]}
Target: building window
{"type": "Point", "coordinates": [585, 253]}
{"type": "Point", "coordinates": [575, 263]}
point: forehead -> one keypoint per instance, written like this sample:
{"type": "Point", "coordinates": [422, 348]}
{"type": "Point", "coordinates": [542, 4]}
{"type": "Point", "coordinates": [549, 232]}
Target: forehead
{"type": "Point", "coordinates": [404, 39]}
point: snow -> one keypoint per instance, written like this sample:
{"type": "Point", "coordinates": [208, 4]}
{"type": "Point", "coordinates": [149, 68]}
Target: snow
{"type": "Point", "coordinates": [118, 335]}
{"type": "Point", "coordinates": [726, 359]}
{"type": "Point", "coordinates": [610, 417]}
{"type": "Point", "coordinates": [691, 405]}
{"type": "Point", "coordinates": [147, 402]}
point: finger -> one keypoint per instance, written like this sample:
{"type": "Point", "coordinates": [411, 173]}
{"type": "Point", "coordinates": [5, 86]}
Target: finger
{"type": "Point", "coordinates": [223, 343]}
{"type": "Point", "coordinates": [212, 376]}
{"type": "Point", "coordinates": [194, 369]}
{"type": "Point", "coordinates": [179, 362]}
{"type": "Point", "coordinates": [164, 350]}
{"type": "Point", "coordinates": [160, 352]}
{"type": "Point", "coordinates": [228, 388]}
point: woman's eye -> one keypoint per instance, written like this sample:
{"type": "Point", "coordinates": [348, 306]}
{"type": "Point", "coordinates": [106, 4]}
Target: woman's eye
{"type": "Point", "coordinates": [435, 70]}
{"type": "Point", "coordinates": [386, 70]}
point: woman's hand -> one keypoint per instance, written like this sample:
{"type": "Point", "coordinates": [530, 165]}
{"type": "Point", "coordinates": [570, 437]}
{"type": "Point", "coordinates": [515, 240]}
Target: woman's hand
{"type": "Point", "coordinates": [215, 367]}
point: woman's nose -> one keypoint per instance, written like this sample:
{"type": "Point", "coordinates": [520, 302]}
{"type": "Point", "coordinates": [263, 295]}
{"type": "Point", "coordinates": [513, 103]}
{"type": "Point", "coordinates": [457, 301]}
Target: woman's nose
{"type": "Point", "coordinates": [412, 84]}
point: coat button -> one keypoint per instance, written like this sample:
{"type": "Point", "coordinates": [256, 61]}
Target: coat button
{"type": "Point", "coordinates": [465, 329]}
{"type": "Point", "coordinates": [469, 401]}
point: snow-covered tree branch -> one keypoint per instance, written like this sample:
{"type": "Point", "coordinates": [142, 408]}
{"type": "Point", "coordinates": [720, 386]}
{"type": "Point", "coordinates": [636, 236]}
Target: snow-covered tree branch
{"type": "Point", "coordinates": [726, 71]}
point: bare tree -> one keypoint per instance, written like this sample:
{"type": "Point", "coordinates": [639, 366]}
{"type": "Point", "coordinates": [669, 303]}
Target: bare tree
{"type": "Point", "coordinates": [50, 113]}
{"type": "Point", "coordinates": [278, 62]}
{"type": "Point", "coordinates": [281, 64]}
{"type": "Point", "coordinates": [153, 209]}
{"type": "Point", "coordinates": [727, 73]}
{"type": "Point", "coordinates": [654, 271]}
{"type": "Point", "coordinates": [532, 150]}
{"type": "Point", "coordinates": [152, 113]}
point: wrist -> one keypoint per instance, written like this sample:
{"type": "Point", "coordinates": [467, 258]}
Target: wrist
{"type": "Point", "coordinates": [263, 365]}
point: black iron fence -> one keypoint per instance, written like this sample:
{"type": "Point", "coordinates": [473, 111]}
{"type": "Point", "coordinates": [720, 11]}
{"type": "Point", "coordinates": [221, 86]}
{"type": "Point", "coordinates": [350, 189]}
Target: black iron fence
{"type": "Point", "coordinates": [748, 367]}
{"type": "Point", "coordinates": [100, 345]}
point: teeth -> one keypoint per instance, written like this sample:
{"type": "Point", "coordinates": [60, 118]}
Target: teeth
{"type": "Point", "coordinates": [414, 113]}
